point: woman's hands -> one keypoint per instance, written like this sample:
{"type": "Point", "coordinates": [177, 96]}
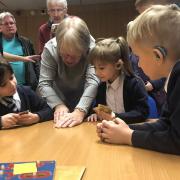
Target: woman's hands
{"type": "Point", "coordinates": [60, 111]}
{"type": "Point", "coordinates": [63, 118]}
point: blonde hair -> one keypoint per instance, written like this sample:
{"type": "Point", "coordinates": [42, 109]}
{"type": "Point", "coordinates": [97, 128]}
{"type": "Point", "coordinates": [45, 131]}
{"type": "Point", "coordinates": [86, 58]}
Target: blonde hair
{"type": "Point", "coordinates": [73, 35]}
{"type": "Point", "coordinates": [112, 50]}
{"type": "Point", "coordinates": [158, 25]}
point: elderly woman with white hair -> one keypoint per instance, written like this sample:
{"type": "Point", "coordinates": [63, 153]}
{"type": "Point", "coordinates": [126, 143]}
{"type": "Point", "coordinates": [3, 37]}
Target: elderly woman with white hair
{"type": "Point", "coordinates": [67, 81]}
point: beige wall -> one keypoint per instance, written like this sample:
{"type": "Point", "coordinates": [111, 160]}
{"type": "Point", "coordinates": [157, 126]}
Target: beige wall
{"type": "Point", "coordinates": [104, 20]}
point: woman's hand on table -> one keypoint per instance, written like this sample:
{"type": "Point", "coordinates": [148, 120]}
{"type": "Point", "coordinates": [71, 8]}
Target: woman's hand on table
{"type": "Point", "coordinates": [70, 119]}
{"type": "Point", "coordinates": [60, 111]}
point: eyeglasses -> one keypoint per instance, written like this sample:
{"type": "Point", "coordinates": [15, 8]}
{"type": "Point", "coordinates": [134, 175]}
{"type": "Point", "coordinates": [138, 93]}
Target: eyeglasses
{"type": "Point", "coordinates": [66, 56]}
{"type": "Point", "coordinates": [60, 10]}
{"type": "Point", "coordinates": [8, 23]}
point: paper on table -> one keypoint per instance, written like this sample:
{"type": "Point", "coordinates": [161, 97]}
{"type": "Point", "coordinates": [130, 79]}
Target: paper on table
{"type": "Point", "coordinates": [69, 172]}
{"type": "Point", "coordinates": [25, 168]}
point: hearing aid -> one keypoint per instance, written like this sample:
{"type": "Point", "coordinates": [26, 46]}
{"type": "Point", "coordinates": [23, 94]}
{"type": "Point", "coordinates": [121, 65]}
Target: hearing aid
{"type": "Point", "coordinates": [160, 51]}
{"type": "Point", "coordinates": [119, 64]}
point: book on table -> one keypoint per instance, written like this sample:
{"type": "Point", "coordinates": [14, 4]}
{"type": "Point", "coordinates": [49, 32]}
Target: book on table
{"type": "Point", "coordinates": [43, 170]}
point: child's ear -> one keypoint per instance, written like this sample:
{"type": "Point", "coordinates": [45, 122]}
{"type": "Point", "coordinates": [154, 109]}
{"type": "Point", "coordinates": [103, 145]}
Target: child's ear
{"type": "Point", "coordinates": [160, 53]}
{"type": "Point", "coordinates": [119, 64]}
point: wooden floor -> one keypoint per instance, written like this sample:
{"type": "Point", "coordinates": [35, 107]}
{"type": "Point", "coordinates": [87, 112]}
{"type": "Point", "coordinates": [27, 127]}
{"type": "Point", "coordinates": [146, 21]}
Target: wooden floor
{"type": "Point", "coordinates": [80, 146]}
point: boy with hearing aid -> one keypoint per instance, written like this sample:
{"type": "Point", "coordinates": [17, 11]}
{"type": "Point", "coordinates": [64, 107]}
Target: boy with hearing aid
{"type": "Point", "coordinates": [151, 38]}
{"type": "Point", "coordinates": [120, 89]}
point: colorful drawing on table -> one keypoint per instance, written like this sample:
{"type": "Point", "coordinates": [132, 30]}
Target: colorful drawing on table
{"type": "Point", "coordinates": [35, 170]}
{"type": "Point", "coordinates": [69, 172]}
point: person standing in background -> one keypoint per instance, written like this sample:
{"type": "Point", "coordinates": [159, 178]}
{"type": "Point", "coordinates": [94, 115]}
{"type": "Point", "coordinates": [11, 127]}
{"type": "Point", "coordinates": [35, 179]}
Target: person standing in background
{"type": "Point", "coordinates": [11, 57]}
{"type": "Point", "coordinates": [27, 73]}
{"type": "Point", "coordinates": [57, 11]}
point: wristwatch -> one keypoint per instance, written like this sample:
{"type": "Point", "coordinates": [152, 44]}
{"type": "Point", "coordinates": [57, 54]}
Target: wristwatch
{"type": "Point", "coordinates": [81, 110]}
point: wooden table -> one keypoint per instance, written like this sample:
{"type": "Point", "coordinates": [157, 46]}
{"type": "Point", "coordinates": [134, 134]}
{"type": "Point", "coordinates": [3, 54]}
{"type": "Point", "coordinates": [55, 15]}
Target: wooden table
{"type": "Point", "coordinates": [80, 146]}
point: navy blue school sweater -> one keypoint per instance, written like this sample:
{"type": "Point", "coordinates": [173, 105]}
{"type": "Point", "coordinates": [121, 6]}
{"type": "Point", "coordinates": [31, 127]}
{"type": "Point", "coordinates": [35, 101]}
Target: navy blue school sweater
{"type": "Point", "coordinates": [135, 99]}
{"type": "Point", "coordinates": [32, 102]}
{"type": "Point", "coordinates": [163, 135]}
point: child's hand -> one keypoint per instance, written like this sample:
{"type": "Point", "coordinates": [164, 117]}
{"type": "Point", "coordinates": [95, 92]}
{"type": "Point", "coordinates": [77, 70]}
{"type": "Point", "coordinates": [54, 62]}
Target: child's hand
{"type": "Point", "coordinates": [117, 132]}
{"type": "Point", "coordinates": [93, 118]}
{"type": "Point", "coordinates": [27, 119]}
{"type": "Point", "coordinates": [149, 86]}
{"type": "Point", "coordinates": [9, 120]}
{"type": "Point", "coordinates": [99, 131]}
{"type": "Point", "coordinates": [102, 115]}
